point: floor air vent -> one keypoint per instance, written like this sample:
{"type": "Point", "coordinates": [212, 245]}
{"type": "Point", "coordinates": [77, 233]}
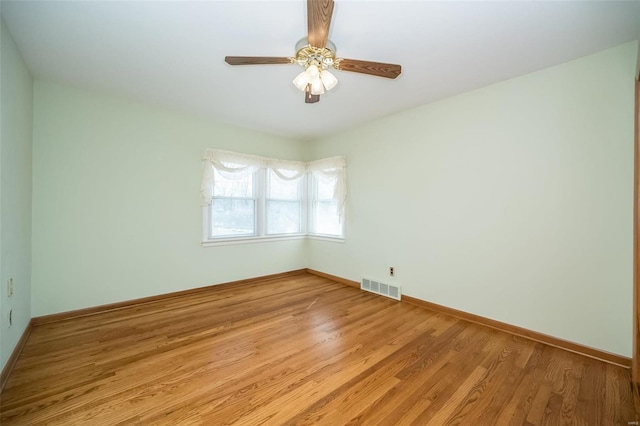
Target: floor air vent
{"type": "Point", "coordinates": [388, 290]}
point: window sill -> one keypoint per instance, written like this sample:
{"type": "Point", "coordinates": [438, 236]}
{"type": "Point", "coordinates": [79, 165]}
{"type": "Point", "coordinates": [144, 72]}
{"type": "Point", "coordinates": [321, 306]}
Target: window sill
{"type": "Point", "coordinates": [326, 238]}
{"type": "Point", "coordinates": [249, 240]}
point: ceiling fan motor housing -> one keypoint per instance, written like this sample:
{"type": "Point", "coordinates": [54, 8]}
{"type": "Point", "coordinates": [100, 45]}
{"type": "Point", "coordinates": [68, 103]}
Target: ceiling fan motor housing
{"type": "Point", "coordinates": [324, 57]}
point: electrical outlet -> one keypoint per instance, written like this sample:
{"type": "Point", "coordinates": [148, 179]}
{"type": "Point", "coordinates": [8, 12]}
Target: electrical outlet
{"type": "Point", "coordinates": [10, 287]}
{"type": "Point", "coordinates": [391, 272]}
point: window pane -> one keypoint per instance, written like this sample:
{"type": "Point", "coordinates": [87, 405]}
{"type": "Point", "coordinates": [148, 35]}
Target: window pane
{"type": "Point", "coordinates": [326, 220]}
{"type": "Point", "coordinates": [325, 188]}
{"type": "Point", "coordinates": [240, 188]}
{"type": "Point", "coordinates": [232, 217]}
{"type": "Point", "coordinates": [283, 217]}
{"type": "Point", "coordinates": [280, 189]}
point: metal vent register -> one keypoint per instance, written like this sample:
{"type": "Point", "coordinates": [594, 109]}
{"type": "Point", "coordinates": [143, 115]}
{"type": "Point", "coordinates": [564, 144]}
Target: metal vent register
{"type": "Point", "coordinates": [383, 289]}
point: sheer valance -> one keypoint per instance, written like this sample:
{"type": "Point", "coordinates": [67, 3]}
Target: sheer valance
{"type": "Point", "coordinates": [233, 165]}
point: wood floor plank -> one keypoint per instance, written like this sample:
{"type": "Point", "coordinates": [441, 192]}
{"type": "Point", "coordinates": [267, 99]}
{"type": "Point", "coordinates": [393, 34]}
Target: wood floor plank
{"type": "Point", "coordinates": [487, 401]}
{"type": "Point", "coordinates": [444, 416]}
{"type": "Point", "coordinates": [300, 350]}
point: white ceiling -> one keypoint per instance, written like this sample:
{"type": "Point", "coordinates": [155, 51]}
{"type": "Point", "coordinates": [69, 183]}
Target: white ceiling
{"type": "Point", "coordinates": [172, 53]}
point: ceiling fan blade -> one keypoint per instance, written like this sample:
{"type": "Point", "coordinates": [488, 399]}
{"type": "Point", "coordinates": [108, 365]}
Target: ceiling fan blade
{"type": "Point", "coordinates": [309, 98]}
{"type": "Point", "coordinates": [255, 60]}
{"type": "Point", "coordinates": [318, 21]}
{"type": "Point", "coordinates": [372, 68]}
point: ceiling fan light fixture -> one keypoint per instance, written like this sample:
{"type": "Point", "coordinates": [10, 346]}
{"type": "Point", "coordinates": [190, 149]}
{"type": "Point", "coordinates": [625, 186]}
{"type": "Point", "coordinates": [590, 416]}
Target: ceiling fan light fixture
{"type": "Point", "coordinates": [317, 79]}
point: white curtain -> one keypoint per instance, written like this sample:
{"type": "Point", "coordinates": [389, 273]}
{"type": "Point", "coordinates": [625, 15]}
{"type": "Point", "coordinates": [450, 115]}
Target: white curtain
{"type": "Point", "coordinates": [332, 171]}
{"type": "Point", "coordinates": [233, 165]}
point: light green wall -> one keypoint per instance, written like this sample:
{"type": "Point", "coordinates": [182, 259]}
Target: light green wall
{"type": "Point", "coordinates": [116, 210]}
{"type": "Point", "coordinates": [16, 95]}
{"type": "Point", "coordinates": [513, 202]}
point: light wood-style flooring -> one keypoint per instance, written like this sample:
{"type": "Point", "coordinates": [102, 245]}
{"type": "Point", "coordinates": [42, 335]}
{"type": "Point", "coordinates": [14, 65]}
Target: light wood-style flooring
{"type": "Point", "coordinates": [301, 350]}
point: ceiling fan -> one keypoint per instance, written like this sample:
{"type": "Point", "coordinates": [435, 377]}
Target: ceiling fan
{"type": "Point", "coordinates": [316, 54]}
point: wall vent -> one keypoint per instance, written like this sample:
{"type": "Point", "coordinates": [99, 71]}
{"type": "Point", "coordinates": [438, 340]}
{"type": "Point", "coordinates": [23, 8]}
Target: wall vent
{"type": "Point", "coordinates": [389, 290]}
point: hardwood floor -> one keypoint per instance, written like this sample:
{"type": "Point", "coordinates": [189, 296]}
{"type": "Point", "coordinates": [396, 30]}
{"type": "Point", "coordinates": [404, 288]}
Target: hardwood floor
{"type": "Point", "coordinates": [301, 350]}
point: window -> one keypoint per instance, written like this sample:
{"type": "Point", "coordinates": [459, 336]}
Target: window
{"type": "Point", "coordinates": [284, 204]}
{"type": "Point", "coordinates": [255, 198]}
{"type": "Point", "coordinates": [324, 210]}
{"type": "Point", "coordinates": [233, 206]}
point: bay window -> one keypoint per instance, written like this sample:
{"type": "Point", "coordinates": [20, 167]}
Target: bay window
{"type": "Point", "coordinates": [247, 198]}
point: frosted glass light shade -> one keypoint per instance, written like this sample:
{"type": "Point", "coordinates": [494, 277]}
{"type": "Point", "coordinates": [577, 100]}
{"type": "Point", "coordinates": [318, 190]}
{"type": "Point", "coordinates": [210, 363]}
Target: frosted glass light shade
{"type": "Point", "coordinates": [312, 72]}
{"type": "Point", "coordinates": [328, 80]}
{"type": "Point", "coordinates": [317, 88]}
{"type": "Point", "coordinates": [318, 80]}
{"type": "Point", "coordinates": [301, 81]}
